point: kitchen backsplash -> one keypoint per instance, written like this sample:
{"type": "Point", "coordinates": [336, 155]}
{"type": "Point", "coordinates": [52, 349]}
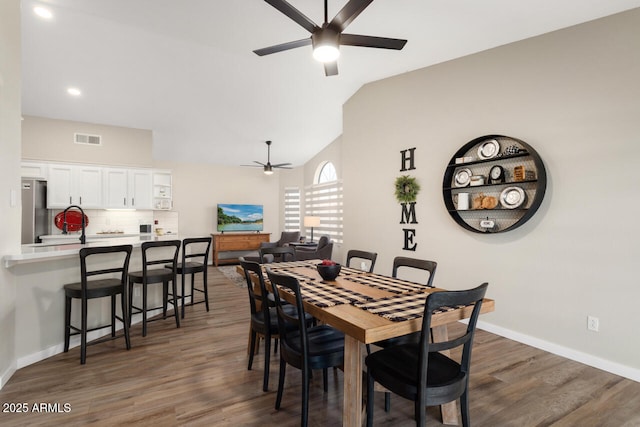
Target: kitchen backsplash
{"type": "Point", "coordinates": [126, 222]}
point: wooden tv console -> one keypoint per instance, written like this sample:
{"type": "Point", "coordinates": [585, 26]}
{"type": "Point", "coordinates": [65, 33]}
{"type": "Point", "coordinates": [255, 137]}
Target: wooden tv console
{"type": "Point", "coordinates": [230, 242]}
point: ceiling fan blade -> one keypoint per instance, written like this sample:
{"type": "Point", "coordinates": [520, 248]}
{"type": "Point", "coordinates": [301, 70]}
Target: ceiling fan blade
{"type": "Point", "coordinates": [282, 47]}
{"type": "Point", "coordinates": [348, 13]}
{"type": "Point", "coordinates": [282, 167]}
{"type": "Point", "coordinates": [293, 14]}
{"type": "Point", "coordinates": [261, 164]}
{"type": "Point", "coordinates": [253, 166]}
{"type": "Point", "coordinates": [279, 165]}
{"type": "Point", "coordinates": [331, 68]}
{"type": "Point", "coordinates": [371, 41]}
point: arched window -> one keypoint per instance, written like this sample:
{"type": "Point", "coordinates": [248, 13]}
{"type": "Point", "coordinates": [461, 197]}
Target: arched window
{"type": "Point", "coordinates": [324, 199]}
{"type": "Point", "coordinates": [326, 173]}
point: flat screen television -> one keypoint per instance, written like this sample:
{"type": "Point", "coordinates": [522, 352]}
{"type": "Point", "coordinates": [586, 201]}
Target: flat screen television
{"type": "Point", "coordinates": [239, 217]}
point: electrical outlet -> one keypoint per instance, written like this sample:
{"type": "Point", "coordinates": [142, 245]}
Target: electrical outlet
{"type": "Point", "coordinates": [593, 323]}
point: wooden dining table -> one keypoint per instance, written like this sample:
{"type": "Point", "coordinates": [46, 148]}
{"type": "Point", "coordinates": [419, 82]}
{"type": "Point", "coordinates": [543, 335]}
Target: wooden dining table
{"type": "Point", "coordinates": [367, 308]}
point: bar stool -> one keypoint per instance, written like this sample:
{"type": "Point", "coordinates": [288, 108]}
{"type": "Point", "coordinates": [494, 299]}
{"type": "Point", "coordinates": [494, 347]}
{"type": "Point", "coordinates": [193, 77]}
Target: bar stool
{"type": "Point", "coordinates": [195, 258]}
{"type": "Point", "coordinates": [103, 287]}
{"type": "Point", "coordinates": [156, 253]}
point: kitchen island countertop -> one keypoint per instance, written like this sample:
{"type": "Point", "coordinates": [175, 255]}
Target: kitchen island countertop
{"type": "Point", "coordinates": [37, 252]}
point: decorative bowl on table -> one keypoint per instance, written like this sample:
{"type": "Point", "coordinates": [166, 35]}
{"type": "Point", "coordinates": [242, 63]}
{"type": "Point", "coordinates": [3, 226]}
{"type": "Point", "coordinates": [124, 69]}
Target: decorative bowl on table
{"type": "Point", "coordinates": [329, 270]}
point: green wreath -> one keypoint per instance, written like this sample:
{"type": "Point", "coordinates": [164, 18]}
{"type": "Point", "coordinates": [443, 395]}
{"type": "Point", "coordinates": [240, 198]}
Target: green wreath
{"type": "Point", "coordinates": [407, 189]}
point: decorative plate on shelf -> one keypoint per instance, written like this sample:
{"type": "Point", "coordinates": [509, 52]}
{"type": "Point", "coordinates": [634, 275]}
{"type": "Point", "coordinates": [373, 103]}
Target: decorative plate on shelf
{"type": "Point", "coordinates": [489, 149]}
{"type": "Point", "coordinates": [512, 197]}
{"type": "Point", "coordinates": [463, 177]}
{"type": "Point", "coordinates": [74, 221]}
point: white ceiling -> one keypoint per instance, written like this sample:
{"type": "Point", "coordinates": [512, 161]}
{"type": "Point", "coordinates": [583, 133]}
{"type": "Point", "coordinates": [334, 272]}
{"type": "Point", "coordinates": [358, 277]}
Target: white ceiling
{"type": "Point", "coordinates": [185, 68]}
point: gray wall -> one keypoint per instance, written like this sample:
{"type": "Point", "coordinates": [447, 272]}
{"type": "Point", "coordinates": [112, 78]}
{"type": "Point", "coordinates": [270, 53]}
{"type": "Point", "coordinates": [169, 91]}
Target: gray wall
{"type": "Point", "coordinates": [53, 140]}
{"type": "Point", "coordinates": [10, 109]}
{"type": "Point", "coordinates": [574, 96]}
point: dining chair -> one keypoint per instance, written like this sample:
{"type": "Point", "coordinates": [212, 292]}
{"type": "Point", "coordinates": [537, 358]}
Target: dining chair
{"type": "Point", "coordinates": [414, 263]}
{"type": "Point", "coordinates": [364, 256]}
{"type": "Point", "coordinates": [303, 347]}
{"type": "Point", "coordinates": [421, 371]}
{"type": "Point", "coordinates": [195, 258]}
{"type": "Point", "coordinates": [162, 252]}
{"type": "Point", "coordinates": [264, 320]}
{"type": "Point", "coordinates": [401, 263]}
{"type": "Point", "coordinates": [92, 261]}
{"type": "Point", "coordinates": [277, 254]}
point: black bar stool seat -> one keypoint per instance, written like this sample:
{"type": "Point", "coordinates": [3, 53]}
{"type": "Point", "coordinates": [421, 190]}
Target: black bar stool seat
{"type": "Point", "coordinates": [195, 259]}
{"type": "Point", "coordinates": [156, 253]}
{"type": "Point", "coordinates": [98, 288]}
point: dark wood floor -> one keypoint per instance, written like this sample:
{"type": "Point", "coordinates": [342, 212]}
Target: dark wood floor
{"type": "Point", "coordinates": [197, 375]}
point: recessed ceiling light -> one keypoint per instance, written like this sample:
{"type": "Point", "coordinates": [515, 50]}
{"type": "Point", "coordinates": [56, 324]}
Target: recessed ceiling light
{"type": "Point", "coordinates": [43, 12]}
{"type": "Point", "coordinates": [74, 91]}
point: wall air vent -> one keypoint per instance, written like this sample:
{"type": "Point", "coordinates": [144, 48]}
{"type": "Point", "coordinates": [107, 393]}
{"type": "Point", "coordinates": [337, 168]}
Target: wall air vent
{"type": "Point", "coordinates": [86, 139]}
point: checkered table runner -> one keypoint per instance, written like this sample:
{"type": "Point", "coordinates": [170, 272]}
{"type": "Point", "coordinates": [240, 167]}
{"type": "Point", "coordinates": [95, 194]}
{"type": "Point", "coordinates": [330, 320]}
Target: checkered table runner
{"type": "Point", "coordinates": [389, 284]}
{"type": "Point", "coordinates": [287, 268]}
{"type": "Point", "coordinates": [313, 289]}
{"type": "Point", "coordinates": [300, 276]}
{"type": "Point", "coordinates": [324, 294]}
{"type": "Point", "coordinates": [290, 264]}
{"type": "Point", "coordinates": [344, 271]}
{"type": "Point", "coordinates": [399, 308]}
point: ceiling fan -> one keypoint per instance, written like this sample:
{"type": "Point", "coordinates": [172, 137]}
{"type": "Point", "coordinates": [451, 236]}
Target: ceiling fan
{"type": "Point", "coordinates": [268, 167]}
{"type": "Point", "coordinates": [327, 39]}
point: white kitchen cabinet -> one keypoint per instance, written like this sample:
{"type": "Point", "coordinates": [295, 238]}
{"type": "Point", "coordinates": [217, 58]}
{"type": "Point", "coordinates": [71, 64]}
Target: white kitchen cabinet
{"type": "Point", "coordinates": [162, 190]}
{"type": "Point", "coordinates": [140, 190]}
{"type": "Point", "coordinates": [34, 170]}
{"type": "Point", "coordinates": [74, 185]}
{"type": "Point", "coordinates": [116, 192]}
{"type": "Point", "coordinates": [127, 188]}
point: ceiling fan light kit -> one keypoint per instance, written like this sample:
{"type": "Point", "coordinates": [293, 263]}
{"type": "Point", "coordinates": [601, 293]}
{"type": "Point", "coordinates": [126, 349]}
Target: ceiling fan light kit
{"type": "Point", "coordinates": [327, 39]}
{"type": "Point", "coordinates": [326, 45]}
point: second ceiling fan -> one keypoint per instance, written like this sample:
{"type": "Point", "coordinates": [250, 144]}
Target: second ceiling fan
{"type": "Point", "coordinates": [327, 39]}
{"type": "Point", "coordinates": [268, 167]}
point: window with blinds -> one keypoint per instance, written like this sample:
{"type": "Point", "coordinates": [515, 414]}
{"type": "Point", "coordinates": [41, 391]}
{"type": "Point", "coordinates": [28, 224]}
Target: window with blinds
{"type": "Point", "coordinates": [292, 209]}
{"type": "Point", "coordinates": [325, 200]}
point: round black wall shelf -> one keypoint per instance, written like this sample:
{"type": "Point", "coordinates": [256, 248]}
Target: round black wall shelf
{"type": "Point", "coordinates": [494, 183]}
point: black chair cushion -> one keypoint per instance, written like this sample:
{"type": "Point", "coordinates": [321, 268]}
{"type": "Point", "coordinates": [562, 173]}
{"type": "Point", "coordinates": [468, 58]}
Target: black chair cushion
{"type": "Point", "coordinates": [396, 369]}
{"type": "Point", "coordinates": [189, 267]}
{"type": "Point", "coordinates": [258, 324]}
{"type": "Point", "coordinates": [157, 275]}
{"type": "Point", "coordinates": [323, 340]}
{"type": "Point", "coordinates": [95, 288]}
{"type": "Point", "coordinates": [413, 338]}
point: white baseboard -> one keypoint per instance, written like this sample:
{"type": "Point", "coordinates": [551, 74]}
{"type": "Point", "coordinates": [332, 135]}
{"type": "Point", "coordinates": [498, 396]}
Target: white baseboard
{"type": "Point", "coordinates": [74, 342]}
{"type": "Point", "coordinates": [587, 359]}
{"type": "Point", "coordinates": [8, 373]}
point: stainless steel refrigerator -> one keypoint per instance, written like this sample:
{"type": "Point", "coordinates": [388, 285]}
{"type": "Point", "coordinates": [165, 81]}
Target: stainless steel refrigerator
{"type": "Point", "coordinates": [35, 216]}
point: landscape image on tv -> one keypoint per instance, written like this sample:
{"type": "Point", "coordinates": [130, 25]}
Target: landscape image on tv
{"type": "Point", "coordinates": [239, 217]}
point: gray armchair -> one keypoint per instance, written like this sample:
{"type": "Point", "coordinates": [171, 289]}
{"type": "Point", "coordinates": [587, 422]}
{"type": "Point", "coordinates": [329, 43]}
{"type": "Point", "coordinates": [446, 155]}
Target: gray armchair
{"type": "Point", "coordinates": [285, 238]}
{"type": "Point", "coordinates": [322, 251]}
